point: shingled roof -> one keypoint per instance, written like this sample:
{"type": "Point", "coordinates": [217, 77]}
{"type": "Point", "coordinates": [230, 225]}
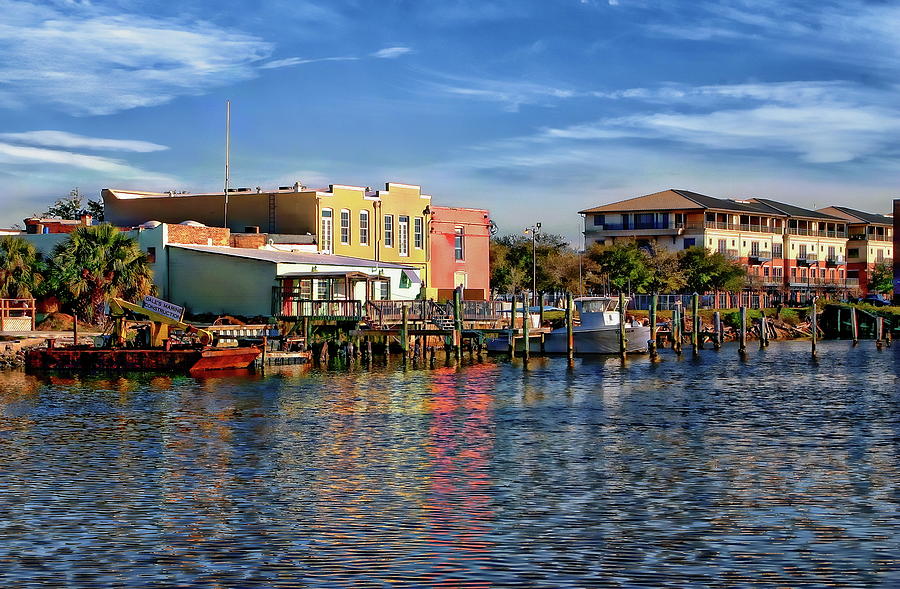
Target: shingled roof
{"type": "Point", "coordinates": [676, 199]}
{"type": "Point", "coordinates": [766, 204]}
{"type": "Point", "coordinates": [862, 216]}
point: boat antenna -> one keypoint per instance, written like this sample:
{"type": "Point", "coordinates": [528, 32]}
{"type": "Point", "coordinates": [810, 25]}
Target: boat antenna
{"type": "Point", "coordinates": [227, 154]}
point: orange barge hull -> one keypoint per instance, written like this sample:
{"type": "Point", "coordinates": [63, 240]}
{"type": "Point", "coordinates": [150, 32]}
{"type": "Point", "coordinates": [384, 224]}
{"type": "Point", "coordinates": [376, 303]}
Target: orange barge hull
{"type": "Point", "coordinates": [176, 360]}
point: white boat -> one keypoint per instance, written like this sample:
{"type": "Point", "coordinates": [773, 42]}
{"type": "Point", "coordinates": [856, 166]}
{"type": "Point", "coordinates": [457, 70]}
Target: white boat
{"type": "Point", "coordinates": [598, 332]}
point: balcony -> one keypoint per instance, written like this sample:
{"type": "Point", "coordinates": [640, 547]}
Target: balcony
{"type": "Point", "coordinates": [799, 231]}
{"type": "Point", "coordinates": [730, 254]}
{"type": "Point", "coordinates": [646, 228]}
{"type": "Point", "coordinates": [741, 227]}
{"type": "Point", "coordinates": [758, 257]}
{"type": "Point", "coordinates": [864, 237]}
{"type": "Point", "coordinates": [807, 260]}
{"type": "Point", "coordinates": [834, 261]}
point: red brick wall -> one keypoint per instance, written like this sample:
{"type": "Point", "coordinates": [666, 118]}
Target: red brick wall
{"type": "Point", "coordinates": [198, 235]}
{"type": "Point", "coordinates": [249, 240]}
{"type": "Point", "coordinates": [476, 227]}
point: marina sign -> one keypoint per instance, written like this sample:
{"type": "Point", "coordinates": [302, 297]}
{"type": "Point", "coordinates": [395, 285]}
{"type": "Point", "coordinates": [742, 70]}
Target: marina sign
{"type": "Point", "coordinates": [163, 308]}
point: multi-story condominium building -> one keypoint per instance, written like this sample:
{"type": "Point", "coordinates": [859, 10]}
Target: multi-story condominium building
{"type": "Point", "coordinates": [870, 242]}
{"type": "Point", "coordinates": [784, 248]}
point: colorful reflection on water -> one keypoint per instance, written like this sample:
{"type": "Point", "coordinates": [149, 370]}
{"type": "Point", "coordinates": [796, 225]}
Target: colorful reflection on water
{"type": "Point", "coordinates": [775, 470]}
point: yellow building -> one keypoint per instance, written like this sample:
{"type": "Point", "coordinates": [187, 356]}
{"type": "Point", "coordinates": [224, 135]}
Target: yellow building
{"type": "Point", "coordinates": [389, 225]}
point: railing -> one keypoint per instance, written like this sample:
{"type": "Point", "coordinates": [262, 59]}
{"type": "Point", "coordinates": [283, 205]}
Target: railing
{"type": "Point", "coordinates": [834, 260]}
{"type": "Point", "coordinates": [391, 312]}
{"type": "Point", "coordinates": [288, 304]}
{"type": "Point", "coordinates": [17, 314]}
{"type": "Point", "coordinates": [864, 237]}
{"type": "Point", "coordinates": [635, 226]}
{"type": "Point", "coordinates": [741, 227]}
{"type": "Point", "coordinates": [481, 310]}
{"type": "Point", "coordinates": [798, 231]}
{"type": "Point", "coordinates": [732, 254]}
{"type": "Point", "coordinates": [761, 255]}
{"type": "Point", "coordinates": [807, 259]}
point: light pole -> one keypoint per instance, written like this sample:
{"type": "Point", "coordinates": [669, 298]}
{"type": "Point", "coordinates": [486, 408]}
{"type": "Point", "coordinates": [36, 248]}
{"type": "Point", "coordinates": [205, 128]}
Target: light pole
{"type": "Point", "coordinates": [534, 230]}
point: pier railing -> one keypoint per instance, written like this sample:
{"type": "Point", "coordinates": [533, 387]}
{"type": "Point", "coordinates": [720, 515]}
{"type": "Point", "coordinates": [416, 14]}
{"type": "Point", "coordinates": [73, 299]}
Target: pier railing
{"type": "Point", "coordinates": [17, 314]}
{"type": "Point", "coordinates": [286, 303]}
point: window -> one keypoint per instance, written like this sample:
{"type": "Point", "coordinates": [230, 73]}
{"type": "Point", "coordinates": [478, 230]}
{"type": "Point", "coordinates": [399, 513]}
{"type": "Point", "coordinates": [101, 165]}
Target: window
{"type": "Point", "coordinates": [418, 233]}
{"type": "Point", "coordinates": [364, 228]}
{"type": "Point", "coordinates": [599, 220]}
{"type": "Point", "coordinates": [323, 292]}
{"type": "Point", "coordinates": [766, 271]}
{"type": "Point", "coordinates": [776, 250]}
{"type": "Point", "coordinates": [754, 248]}
{"type": "Point", "coordinates": [879, 257]}
{"type": "Point", "coordinates": [151, 255]}
{"type": "Point", "coordinates": [723, 246]}
{"type": "Point", "coordinates": [384, 288]}
{"type": "Point", "coordinates": [389, 231]}
{"type": "Point", "coordinates": [326, 236]}
{"type": "Point", "coordinates": [459, 251]}
{"type": "Point", "coordinates": [853, 252]}
{"type": "Point", "coordinates": [831, 252]}
{"type": "Point", "coordinates": [689, 242]}
{"type": "Point", "coordinates": [345, 227]}
{"type": "Point", "coordinates": [680, 219]}
{"type": "Point", "coordinates": [403, 235]}
{"type": "Point", "coordinates": [802, 253]}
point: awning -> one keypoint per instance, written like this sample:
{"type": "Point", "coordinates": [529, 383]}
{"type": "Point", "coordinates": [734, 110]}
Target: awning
{"type": "Point", "coordinates": [412, 276]}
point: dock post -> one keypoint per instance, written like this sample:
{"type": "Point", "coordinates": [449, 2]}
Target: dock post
{"type": "Point", "coordinates": [854, 326]}
{"type": "Point", "coordinates": [675, 329]}
{"type": "Point", "coordinates": [763, 334]}
{"type": "Point", "coordinates": [404, 331]}
{"type": "Point", "coordinates": [265, 342]}
{"type": "Point", "coordinates": [570, 329]}
{"type": "Point", "coordinates": [838, 330]}
{"type": "Point", "coordinates": [651, 345]}
{"type": "Point", "coordinates": [879, 331]}
{"type": "Point", "coordinates": [695, 322]}
{"type": "Point", "coordinates": [813, 326]}
{"type": "Point", "coordinates": [512, 327]}
{"type": "Point", "coordinates": [622, 343]}
{"type": "Point", "coordinates": [717, 329]}
{"type": "Point", "coordinates": [526, 319]}
{"type": "Point", "coordinates": [458, 321]}
{"type": "Point", "coordinates": [74, 330]}
{"type": "Point", "coordinates": [742, 348]}
{"type": "Point", "coordinates": [306, 333]}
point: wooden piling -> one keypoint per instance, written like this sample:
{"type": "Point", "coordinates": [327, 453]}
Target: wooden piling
{"type": "Point", "coordinates": [570, 329]}
{"type": "Point", "coordinates": [74, 330]}
{"type": "Point", "coordinates": [742, 348]}
{"type": "Point", "coordinates": [854, 326]}
{"type": "Point", "coordinates": [879, 331]}
{"type": "Point", "coordinates": [404, 331]}
{"type": "Point", "coordinates": [525, 321]}
{"type": "Point", "coordinates": [622, 341]}
{"type": "Point", "coordinates": [675, 330]}
{"type": "Point", "coordinates": [695, 322]}
{"type": "Point", "coordinates": [838, 329]}
{"type": "Point", "coordinates": [763, 334]}
{"type": "Point", "coordinates": [651, 345]}
{"type": "Point", "coordinates": [457, 322]}
{"type": "Point", "coordinates": [717, 330]}
{"type": "Point", "coordinates": [512, 328]}
{"type": "Point", "coordinates": [813, 326]}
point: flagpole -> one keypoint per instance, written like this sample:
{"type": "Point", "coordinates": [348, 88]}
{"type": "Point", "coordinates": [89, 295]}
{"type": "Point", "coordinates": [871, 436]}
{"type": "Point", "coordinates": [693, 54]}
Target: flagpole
{"type": "Point", "coordinates": [227, 155]}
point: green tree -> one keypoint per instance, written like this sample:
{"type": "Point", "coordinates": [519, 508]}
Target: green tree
{"type": "Point", "coordinates": [21, 269]}
{"type": "Point", "coordinates": [711, 271]}
{"type": "Point", "coordinates": [512, 261]}
{"type": "Point", "coordinates": [95, 264]}
{"type": "Point", "coordinates": [665, 274]}
{"type": "Point", "coordinates": [882, 278]}
{"type": "Point", "coordinates": [623, 264]}
{"type": "Point", "coordinates": [71, 207]}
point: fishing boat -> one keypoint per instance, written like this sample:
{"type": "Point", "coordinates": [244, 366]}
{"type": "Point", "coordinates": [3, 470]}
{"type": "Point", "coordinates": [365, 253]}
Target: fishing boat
{"type": "Point", "coordinates": [153, 351]}
{"type": "Point", "coordinates": [598, 332]}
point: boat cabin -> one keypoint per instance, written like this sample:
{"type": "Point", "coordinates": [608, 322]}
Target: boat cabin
{"type": "Point", "coordinates": [598, 311]}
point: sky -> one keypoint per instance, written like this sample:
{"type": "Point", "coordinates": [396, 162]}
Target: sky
{"type": "Point", "coordinates": [534, 109]}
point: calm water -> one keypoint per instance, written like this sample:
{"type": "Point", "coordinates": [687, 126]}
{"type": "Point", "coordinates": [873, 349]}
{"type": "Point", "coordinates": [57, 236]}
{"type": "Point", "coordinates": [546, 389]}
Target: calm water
{"type": "Point", "coordinates": [773, 471]}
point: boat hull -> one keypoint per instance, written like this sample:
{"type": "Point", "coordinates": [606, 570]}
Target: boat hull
{"type": "Point", "coordinates": [175, 360]}
{"type": "Point", "coordinates": [586, 341]}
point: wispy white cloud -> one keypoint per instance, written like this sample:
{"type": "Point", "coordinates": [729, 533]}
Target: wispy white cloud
{"type": "Point", "coordinates": [291, 61]}
{"type": "Point", "coordinates": [512, 95]}
{"type": "Point", "coordinates": [73, 141]}
{"type": "Point", "coordinates": [20, 155]}
{"type": "Point", "coordinates": [88, 62]}
{"type": "Point", "coordinates": [392, 52]}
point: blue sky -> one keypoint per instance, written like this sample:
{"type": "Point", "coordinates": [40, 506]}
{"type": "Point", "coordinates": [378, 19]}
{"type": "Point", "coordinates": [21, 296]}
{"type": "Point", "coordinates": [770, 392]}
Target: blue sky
{"type": "Point", "coordinates": [533, 109]}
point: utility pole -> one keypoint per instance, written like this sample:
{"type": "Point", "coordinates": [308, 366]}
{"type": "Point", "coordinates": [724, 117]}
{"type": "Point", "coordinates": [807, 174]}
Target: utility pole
{"type": "Point", "coordinates": [534, 230]}
{"type": "Point", "coordinates": [227, 156]}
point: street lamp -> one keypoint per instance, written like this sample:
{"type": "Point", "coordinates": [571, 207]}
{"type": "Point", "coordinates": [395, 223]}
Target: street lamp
{"type": "Point", "coordinates": [534, 230]}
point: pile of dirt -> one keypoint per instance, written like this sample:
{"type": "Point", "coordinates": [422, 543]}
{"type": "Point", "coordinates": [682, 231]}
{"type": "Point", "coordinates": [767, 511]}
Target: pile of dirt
{"type": "Point", "coordinates": [60, 322]}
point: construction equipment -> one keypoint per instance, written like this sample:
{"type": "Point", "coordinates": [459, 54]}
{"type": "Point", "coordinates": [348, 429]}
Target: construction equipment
{"type": "Point", "coordinates": [159, 325]}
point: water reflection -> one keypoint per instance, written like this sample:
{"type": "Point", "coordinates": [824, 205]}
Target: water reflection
{"type": "Point", "coordinates": [768, 470]}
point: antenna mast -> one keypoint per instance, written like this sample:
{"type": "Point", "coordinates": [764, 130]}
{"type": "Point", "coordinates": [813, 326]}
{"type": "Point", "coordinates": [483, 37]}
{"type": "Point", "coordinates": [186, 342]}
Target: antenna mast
{"type": "Point", "coordinates": [227, 154]}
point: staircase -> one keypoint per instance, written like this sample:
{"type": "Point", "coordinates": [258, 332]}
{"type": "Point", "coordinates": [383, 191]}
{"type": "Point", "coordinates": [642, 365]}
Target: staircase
{"type": "Point", "coordinates": [441, 318]}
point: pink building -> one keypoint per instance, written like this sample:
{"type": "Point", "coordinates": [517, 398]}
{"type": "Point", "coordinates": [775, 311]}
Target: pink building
{"type": "Point", "coordinates": [460, 253]}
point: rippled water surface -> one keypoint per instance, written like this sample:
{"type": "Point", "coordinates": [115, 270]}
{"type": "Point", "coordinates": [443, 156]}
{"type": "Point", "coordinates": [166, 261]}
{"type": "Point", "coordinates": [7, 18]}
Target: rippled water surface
{"type": "Point", "coordinates": [774, 470]}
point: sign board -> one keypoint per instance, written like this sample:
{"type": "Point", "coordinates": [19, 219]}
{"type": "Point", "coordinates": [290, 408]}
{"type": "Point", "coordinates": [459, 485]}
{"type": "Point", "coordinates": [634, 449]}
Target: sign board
{"type": "Point", "coordinates": [163, 308]}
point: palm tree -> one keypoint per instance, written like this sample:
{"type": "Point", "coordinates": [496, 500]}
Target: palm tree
{"type": "Point", "coordinates": [96, 263]}
{"type": "Point", "coordinates": [21, 269]}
